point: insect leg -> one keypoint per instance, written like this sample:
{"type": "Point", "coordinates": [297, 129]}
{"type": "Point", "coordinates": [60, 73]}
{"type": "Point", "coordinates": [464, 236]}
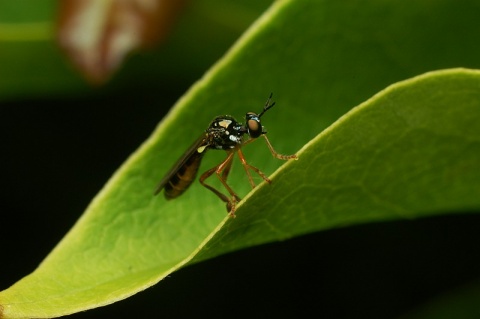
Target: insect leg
{"type": "Point", "coordinates": [275, 154]}
{"type": "Point", "coordinates": [206, 175]}
{"type": "Point", "coordinates": [226, 170]}
{"type": "Point", "coordinates": [220, 171]}
{"type": "Point", "coordinates": [253, 168]}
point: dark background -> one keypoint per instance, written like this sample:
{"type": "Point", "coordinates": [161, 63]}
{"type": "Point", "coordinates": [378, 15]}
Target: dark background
{"type": "Point", "coordinates": [57, 154]}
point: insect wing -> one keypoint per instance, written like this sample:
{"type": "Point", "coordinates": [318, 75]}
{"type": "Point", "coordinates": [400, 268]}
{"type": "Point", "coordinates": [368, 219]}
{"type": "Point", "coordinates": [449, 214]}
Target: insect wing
{"type": "Point", "coordinates": [201, 141]}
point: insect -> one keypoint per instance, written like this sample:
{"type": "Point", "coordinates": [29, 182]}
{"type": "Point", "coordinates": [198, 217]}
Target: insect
{"type": "Point", "coordinates": [223, 133]}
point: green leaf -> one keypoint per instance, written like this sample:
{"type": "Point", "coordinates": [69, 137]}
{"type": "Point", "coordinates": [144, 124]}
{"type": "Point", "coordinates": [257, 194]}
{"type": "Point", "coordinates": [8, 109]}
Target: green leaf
{"type": "Point", "coordinates": [410, 151]}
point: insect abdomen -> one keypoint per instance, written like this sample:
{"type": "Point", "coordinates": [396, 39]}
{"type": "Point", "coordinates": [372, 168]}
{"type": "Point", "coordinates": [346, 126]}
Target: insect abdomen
{"type": "Point", "coordinates": [184, 177]}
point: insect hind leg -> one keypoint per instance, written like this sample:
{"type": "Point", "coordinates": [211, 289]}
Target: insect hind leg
{"type": "Point", "coordinates": [222, 170]}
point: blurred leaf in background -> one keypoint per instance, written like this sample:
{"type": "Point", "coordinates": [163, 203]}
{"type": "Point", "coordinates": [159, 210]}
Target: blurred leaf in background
{"type": "Point", "coordinates": [97, 35]}
{"type": "Point", "coordinates": [33, 64]}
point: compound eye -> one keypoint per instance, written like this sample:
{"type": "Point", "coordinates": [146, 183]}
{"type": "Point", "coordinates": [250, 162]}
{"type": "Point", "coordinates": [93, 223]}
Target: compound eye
{"type": "Point", "coordinates": [253, 125]}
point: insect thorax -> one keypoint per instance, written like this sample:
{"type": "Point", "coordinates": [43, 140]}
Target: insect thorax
{"type": "Point", "coordinates": [224, 133]}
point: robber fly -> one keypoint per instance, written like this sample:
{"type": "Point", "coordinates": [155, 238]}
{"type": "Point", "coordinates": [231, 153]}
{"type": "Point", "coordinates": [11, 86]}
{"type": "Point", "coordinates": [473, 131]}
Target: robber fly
{"type": "Point", "coordinates": [223, 133]}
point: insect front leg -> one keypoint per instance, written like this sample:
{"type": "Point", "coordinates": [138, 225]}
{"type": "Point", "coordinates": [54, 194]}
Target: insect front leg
{"type": "Point", "coordinates": [275, 154]}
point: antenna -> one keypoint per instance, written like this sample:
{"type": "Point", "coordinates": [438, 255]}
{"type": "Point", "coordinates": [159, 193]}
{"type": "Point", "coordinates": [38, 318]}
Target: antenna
{"type": "Point", "coordinates": [267, 105]}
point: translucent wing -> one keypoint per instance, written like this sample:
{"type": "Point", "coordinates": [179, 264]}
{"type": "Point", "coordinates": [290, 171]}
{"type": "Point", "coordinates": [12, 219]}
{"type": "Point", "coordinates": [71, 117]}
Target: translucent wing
{"type": "Point", "coordinates": [191, 154]}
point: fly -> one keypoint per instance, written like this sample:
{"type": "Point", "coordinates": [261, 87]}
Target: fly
{"type": "Point", "coordinates": [223, 133]}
